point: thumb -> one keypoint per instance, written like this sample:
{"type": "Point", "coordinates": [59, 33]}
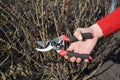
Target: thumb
{"type": "Point", "coordinates": [77, 34]}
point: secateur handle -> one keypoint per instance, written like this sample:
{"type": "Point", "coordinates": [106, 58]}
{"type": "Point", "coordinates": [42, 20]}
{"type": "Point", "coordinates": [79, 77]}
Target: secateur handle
{"type": "Point", "coordinates": [77, 55]}
{"type": "Point", "coordinates": [74, 39]}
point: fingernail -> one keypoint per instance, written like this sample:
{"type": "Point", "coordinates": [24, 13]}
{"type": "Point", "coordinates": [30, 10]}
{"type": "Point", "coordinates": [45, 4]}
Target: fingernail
{"type": "Point", "coordinates": [72, 59]}
{"type": "Point", "coordinates": [80, 38]}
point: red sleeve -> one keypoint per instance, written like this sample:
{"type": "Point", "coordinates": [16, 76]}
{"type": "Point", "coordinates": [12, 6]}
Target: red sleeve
{"type": "Point", "coordinates": [110, 23]}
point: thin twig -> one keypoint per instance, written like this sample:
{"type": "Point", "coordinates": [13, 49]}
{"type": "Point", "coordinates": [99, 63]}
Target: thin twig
{"type": "Point", "coordinates": [4, 60]}
{"type": "Point", "coordinates": [93, 72]}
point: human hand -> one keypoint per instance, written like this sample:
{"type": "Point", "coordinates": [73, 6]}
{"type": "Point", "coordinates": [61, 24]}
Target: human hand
{"type": "Point", "coordinates": [85, 46]}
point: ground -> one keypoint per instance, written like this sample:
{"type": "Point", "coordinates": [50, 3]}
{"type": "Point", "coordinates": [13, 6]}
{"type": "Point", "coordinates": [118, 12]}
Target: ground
{"type": "Point", "coordinates": [108, 71]}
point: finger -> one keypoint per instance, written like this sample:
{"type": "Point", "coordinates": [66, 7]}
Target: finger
{"type": "Point", "coordinates": [66, 57]}
{"type": "Point", "coordinates": [73, 59]}
{"type": "Point", "coordinates": [77, 33]}
{"type": "Point", "coordinates": [86, 60]}
{"type": "Point", "coordinates": [78, 60]}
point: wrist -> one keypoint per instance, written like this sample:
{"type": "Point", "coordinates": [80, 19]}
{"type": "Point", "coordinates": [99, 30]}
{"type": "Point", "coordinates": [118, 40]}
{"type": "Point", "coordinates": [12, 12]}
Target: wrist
{"type": "Point", "coordinates": [97, 32]}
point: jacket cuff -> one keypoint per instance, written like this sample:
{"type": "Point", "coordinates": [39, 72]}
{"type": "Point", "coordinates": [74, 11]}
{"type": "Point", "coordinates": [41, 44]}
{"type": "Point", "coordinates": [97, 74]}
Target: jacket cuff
{"type": "Point", "coordinates": [110, 23]}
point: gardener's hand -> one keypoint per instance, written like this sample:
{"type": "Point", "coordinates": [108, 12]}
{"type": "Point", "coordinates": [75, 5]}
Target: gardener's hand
{"type": "Point", "coordinates": [87, 45]}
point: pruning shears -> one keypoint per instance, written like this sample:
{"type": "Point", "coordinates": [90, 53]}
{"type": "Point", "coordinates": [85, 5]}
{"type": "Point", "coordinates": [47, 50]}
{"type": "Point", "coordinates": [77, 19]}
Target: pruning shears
{"type": "Point", "coordinates": [59, 43]}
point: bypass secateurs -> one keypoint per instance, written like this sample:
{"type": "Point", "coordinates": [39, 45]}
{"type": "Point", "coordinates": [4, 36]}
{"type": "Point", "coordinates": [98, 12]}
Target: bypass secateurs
{"type": "Point", "coordinates": [58, 44]}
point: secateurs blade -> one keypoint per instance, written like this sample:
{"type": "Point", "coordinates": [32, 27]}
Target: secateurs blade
{"type": "Point", "coordinates": [59, 43]}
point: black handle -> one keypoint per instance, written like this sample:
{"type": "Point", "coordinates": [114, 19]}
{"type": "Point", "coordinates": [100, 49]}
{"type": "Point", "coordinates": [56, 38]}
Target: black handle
{"type": "Point", "coordinates": [77, 55]}
{"type": "Point", "coordinates": [84, 35]}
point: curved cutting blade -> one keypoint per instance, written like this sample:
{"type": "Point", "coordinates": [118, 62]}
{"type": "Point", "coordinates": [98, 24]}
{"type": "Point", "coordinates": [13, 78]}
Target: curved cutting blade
{"type": "Point", "coordinates": [43, 44]}
{"type": "Point", "coordinates": [45, 49]}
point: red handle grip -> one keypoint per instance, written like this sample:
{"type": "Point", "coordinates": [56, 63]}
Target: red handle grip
{"type": "Point", "coordinates": [77, 55]}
